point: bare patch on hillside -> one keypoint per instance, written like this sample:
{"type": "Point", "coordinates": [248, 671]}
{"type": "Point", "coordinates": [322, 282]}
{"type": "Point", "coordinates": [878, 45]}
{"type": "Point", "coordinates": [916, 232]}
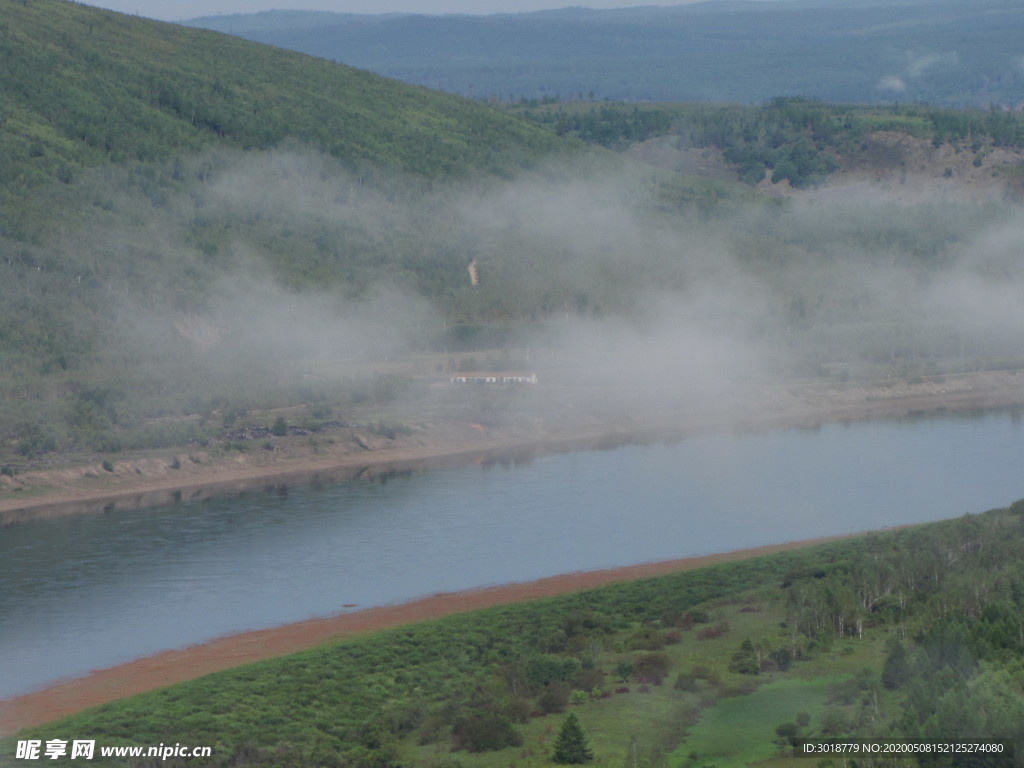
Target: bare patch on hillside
{"type": "Point", "coordinates": [900, 168]}
{"type": "Point", "coordinates": [664, 152]}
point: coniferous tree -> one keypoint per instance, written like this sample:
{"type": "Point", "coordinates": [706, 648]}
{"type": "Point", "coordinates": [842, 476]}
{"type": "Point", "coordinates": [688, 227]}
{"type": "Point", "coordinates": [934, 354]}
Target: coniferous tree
{"type": "Point", "coordinates": [897, 667]}
{"type": "Point", "coordinates": [571, 746]}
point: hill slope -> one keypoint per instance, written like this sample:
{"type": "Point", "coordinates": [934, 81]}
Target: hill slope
{"type": "Point", "coordinates": [147, 168]}
{"type": "Point", "coordinates": [83, 87]}
{"type": "Point", "coordinates": [195, 227]}
{"type": "Point", "coordinates": [847, 50]}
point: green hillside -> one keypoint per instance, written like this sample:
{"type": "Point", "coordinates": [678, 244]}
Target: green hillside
{"type": "Point", "coordinates": [83, 87]}
{"type": "Point", "coordinates": [126, 150]}
{"type": "Point", "coordinates": [193, 227]}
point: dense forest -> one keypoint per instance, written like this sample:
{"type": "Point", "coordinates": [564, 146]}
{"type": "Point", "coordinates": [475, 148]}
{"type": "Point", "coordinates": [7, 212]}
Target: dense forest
{"type": "Point", "coordinates": [910, 634]}
{"type": "Point", "coordinates": [85, 88]}
{"type": "Point", "coordinates": [944, 53]}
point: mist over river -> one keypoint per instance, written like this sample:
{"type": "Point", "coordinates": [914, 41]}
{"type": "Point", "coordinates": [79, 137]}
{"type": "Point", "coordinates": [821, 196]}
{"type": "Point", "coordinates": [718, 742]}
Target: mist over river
{"type": "Point", "coordinates": [87, 592]}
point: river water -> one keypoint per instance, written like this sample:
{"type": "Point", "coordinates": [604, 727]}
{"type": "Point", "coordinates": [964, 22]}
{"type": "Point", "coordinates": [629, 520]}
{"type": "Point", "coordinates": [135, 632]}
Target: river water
{"type": "Point", "coordinates": [87, 592]}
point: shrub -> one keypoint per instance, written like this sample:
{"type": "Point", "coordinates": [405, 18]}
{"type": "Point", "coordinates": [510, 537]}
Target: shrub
{"type": "Point", "coordinates": [786, 733]}
{"type": "Point", "coordinates": [651, 667]}
{"type": "Point", "coordinates": [34, 439]}
{"type": "Point", "coordinates": [485, 732]}
{"type": "Point", "coordinates": [588, 679]}
{"type": "Point", "coordinates": [518, 709]}
{"type": "Point", "coordinates": [548, 668]}
{"type": "Point", "coordinates": [321, 411]}
{"type": "Point", "coordinates": [710, 633]}
{"type": "Point", "coordinates": [646, 639]}
{"type": "Point", "coordinates": [685, 682]}
{"type": "Point", "coordinates": [783, 658]}
{"type": "Point", "coordinates": [389, 429]}
{"type": "Point", "coordinates": [554, 699]}
{"type": "Point", "coordinates": [624, 670]}
{"type": "Point", "coordinates": [702, 672]}
{"type": "Point", "coordinates": [744, 663]}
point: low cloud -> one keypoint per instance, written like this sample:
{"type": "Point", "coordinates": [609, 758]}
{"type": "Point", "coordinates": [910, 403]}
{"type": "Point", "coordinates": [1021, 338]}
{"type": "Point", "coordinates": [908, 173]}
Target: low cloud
{"type": "Point", "coordinates": [892, 84]}
{"type": "Point", "coordinates": [281, 268]}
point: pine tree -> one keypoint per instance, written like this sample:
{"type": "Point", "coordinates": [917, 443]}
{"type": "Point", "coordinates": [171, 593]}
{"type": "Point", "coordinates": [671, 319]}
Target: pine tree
{"type": "Point", "coordinates": [571, 746]}
{"type": "Point", "coordinates": [897, 667]}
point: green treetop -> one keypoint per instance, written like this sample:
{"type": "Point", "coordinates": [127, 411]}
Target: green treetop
{"type": "Point", "coordinates": [571, 746]}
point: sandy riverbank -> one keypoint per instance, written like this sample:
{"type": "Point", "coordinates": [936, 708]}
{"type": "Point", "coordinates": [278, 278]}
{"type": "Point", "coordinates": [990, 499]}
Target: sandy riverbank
{"type": "Point", "coordinates": [163, 669]}
{"type": "Point", "coordinates": [450, 445]}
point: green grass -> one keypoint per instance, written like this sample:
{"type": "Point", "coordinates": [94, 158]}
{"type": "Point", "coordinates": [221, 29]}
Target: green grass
{"type": "Point", "coordinates": [740, 730]}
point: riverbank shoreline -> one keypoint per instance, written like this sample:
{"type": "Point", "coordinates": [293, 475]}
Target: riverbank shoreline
{"type": "Point", "coordinates": [177, 477]}
{"type": "Point", "coordinates": [67, 697]}
{"type": "Point", "coordinates": [813, 407]}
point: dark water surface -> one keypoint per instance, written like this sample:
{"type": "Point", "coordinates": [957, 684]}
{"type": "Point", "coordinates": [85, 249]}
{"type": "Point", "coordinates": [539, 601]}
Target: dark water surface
{"type": "Point", "coordinates": [86, 592]}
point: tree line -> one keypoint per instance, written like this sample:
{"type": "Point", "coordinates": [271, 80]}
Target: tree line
{"type": "Point", "coordinates": [799, 139]}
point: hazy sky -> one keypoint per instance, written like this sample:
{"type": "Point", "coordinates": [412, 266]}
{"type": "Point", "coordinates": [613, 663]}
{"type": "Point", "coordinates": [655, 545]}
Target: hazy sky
{"type": "Point", "coordinates": [176, 10]}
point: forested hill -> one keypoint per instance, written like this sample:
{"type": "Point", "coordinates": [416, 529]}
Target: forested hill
{"type": "Point", "coordinates": [856, 51]}
{"type": "Point", "coordinates": [140, 166]}
{"type": "Point", "coordinates": [83, 87]}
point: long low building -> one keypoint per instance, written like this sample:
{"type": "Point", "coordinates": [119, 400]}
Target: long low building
{"type": "Point", "coordinates": [506, 377]}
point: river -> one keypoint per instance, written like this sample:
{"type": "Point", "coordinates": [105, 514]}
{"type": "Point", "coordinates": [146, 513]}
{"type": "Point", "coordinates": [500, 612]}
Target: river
{"type": "Point", "coordinates": [87, 592]}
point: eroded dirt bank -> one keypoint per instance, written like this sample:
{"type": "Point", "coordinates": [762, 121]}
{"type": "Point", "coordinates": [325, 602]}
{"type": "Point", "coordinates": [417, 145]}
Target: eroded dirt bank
{"type": "Point", "coordinates": [351, 452]}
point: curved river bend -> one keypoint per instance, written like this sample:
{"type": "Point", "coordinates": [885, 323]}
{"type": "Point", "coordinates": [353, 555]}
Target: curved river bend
{"type": "Point", "coordinates": [88, 592]}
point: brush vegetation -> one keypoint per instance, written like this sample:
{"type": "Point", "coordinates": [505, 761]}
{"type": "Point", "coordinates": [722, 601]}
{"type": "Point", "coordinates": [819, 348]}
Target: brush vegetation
{"type": "Point", "coordinates": [910, 634]}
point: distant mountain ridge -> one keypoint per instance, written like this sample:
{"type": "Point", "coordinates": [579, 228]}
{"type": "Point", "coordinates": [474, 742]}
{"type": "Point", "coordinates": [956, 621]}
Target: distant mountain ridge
{"type": "Point", "coordinates": [855, 51]}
